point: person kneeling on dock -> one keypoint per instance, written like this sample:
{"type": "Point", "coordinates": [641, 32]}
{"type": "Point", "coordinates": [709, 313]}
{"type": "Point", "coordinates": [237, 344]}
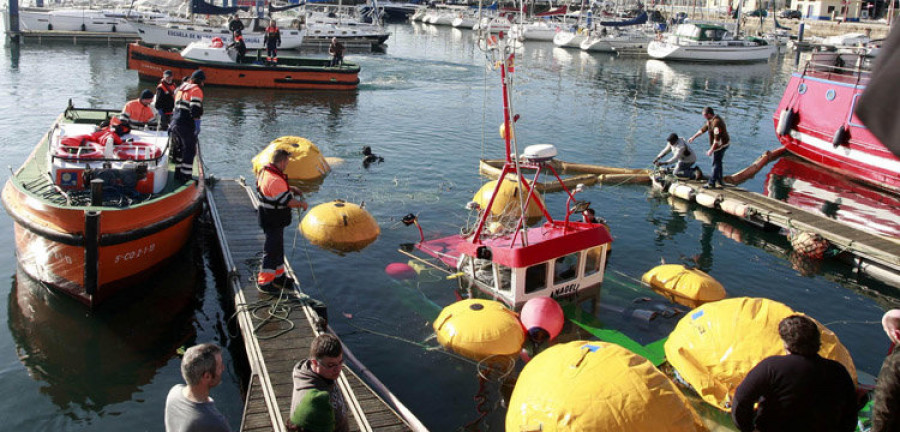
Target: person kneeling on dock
{"type": "Point", "coordinates": [682, 156]}
{"type": "Point", "coordinates": [276, 198]}
{"type": "Point", "coordinates": [317, 404]}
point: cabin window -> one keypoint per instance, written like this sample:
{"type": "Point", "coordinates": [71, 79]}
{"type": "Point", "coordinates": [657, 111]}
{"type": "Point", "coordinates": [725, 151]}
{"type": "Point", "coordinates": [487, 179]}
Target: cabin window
{"type": "Point", "coordinates": [535, 278]}
{"type": "Point", "coordinates": [565, 268]}
{"type": "Point", "coordinates": [504, 276]}
{"type": "Point", "coordinates": [593, 260]}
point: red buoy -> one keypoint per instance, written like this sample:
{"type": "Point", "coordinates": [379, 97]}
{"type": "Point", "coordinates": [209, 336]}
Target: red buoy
{"type": "Point", "coordinates": [400, 271]}
{"type": "Point", "coordinates": [543, 318]}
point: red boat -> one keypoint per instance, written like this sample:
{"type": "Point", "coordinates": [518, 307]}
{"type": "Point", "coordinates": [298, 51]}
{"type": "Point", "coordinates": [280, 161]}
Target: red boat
{"type": "Point", "coordinates": [506, 259]}
{"type": "Point", "coordinates": [815, 120]}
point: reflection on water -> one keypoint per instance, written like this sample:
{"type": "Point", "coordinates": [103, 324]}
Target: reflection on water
{"type": "Point", "coordinates": [820, 191]}
{"type": "Point", "coordinates": [88, 360]}
{"type": "Point", "coordinates": [684, 80]}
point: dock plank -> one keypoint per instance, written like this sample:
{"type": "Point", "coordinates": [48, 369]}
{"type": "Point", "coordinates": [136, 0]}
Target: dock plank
{"type": "Point", "coordinates": [275, 346]}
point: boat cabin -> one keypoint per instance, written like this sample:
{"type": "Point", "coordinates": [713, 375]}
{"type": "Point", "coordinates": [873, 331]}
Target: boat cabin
{"type": "Point", "coordinates": [79, 152]}
{"type": "Point", "coordinates": [573, 273]}
{"type": "Point", "coordinates": [702, 32]}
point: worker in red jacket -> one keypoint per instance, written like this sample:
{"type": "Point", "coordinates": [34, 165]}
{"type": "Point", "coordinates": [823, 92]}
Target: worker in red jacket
{"type": "Point", "coordinates": [138, 111]}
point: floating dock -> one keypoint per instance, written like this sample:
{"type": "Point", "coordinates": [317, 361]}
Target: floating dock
{"type": "Point", "coordinates": [75, 36]}
{"type": "Point", "coordinates": [274, 344]}
{"type": "Point", "coordinates": [871, 254]}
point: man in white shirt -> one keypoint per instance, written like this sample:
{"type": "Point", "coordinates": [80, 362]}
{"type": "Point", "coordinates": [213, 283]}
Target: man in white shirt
{"type": "Point", "coordinates": [682, 156]}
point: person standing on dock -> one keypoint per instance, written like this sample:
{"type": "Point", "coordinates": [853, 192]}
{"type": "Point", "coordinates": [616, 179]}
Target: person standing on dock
{"type": "Point", "coordinates": [886, 406]}
{"type": "Point", "coordinates": [319, 372]}
{"type": "Point", "coordinates": [138, 111]}
{"type": "Point", "coordinates": [272, 41]}
{"type": "Point", "coordinates": [185, 124]}
{"type": "Point", "coordinates": [336, 49]}
{"type": "Point", "coordinates": [800, 391]}
{"type": "Point", "coordinates": [276, 198]}
{"type": "Point", "coordinates": [165, 99]}
{"type": "Point", "coordinates": [189, 407]}
{"type": "Point", "coordinates": [718, 143]}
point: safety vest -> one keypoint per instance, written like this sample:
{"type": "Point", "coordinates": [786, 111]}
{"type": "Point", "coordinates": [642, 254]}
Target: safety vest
{"type": "Point", "coordinates": [137, 113]}
{"type": "Point", "coordinates": [273, 194]}
{"type": "Point", "coordinates": [189, 97]}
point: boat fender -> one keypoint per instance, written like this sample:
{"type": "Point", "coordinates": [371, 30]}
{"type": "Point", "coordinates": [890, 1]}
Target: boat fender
{"type": "Point", "coordinates": [49, 26]}
{"type": "Point", "coordinates": [83, 27]}
{"type": "Point", "coordinates": [543, 318]}
{"type": "Point", "coordinates": [786, 122]}
{"type": "Point", "coordinates": [114, 28]}
{"type": "Point", "coordinates": [809, 244]}
{"type": "Point", "coordinates": [707, 199]}
{"type": "Point", "coordinates": [735, 208]}
{"type": "Point", "coordinates": [684, 192]}
{"type": "Point", "coordinates": [840, 137]}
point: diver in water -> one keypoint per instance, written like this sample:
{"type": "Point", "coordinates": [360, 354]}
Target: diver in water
{"type": "Point", "coordinates": [370, 158]}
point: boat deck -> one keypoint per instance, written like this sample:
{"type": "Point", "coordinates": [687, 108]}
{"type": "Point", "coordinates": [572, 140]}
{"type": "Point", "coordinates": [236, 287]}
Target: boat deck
{"type": "Point", "coordinates": [870, 253]}
{"type": "Point", "coordinates": [272, 350]}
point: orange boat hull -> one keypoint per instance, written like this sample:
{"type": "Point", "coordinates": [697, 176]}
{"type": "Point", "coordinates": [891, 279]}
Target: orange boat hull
{"type": "Point", "coordinates": [151, 63]}
{"type": "Point", "coordinates": [51, 245]}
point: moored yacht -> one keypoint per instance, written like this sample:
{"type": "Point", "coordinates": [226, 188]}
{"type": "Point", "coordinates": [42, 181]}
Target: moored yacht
{"type": "Point", "coordinates": [708, 42]}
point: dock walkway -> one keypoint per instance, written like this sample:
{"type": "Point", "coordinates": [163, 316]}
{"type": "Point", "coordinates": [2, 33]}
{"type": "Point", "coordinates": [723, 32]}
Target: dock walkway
{"type": "Point", "coordinates": [276, 345]}
{"type": "Point", "coordinates": [873, 254]}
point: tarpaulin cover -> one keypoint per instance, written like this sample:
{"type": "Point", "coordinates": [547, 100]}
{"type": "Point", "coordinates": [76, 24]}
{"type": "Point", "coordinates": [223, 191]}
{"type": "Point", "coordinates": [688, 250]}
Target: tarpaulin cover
{"type": "Point", "coordinates": [714, 346]}
{"type": "Point", "coordinates": [596, 386]}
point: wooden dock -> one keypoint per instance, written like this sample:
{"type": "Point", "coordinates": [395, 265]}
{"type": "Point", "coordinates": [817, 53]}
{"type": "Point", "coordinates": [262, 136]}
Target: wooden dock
{"type": "Point", "coordinates": [875, 255]}
{"type": "Point", "coordinates": [75, 36]}
{"type": "Point", "coordinates": [275, 345]}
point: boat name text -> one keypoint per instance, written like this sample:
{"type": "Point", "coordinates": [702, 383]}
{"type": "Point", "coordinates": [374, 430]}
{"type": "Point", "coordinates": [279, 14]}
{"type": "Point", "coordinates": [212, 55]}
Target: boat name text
{"type": "Point", "coordinates": [130, 255]}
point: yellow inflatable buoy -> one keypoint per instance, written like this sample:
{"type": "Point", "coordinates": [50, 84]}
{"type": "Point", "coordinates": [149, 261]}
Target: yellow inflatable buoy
{"type": "Point", "coordinates": [305, 164]}
{"type": "Point", "coordinates": [507, 205]}
{"type": "Point", "coordinates": [503, 131]}
{"type": "Point", "coordinates": [689, 287]}
{"type": "Point", "coordinates": [716, 345]}
{"type": "Point", "coordinates": [478, 329]}
{"type": "Point", "coordinates": [596, 386]}
{"type": "Point", "coordinates": [339, 226]}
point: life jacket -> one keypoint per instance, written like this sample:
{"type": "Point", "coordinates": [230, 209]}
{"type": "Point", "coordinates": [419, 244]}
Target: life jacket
{"type": "Point", "coordinates": [165, 97]}
{"type": "Point", "coordinates": [137, 113]}
{"type": "Point", "coordinates": [273, 194]}
{"type": "Point", "coordinates": [189, 97]}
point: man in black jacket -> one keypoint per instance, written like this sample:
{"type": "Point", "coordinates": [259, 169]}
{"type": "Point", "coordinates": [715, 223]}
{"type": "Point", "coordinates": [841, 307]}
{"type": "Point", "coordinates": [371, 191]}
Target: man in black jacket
{"type": "Point", "coordinates": [797, 392]}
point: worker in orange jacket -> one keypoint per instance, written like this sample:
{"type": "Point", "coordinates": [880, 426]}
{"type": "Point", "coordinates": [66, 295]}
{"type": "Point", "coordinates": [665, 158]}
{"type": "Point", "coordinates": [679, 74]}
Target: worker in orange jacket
{"type": "Point", "coordinates": [138, 111]}
{"type": "Point", "coordinates": [276, 199]}
{"type": "Point", "coordinates": [184, 128]}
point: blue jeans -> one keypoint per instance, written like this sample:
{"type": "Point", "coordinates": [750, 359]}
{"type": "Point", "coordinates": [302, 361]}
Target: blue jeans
{"type": "Point", "coordinates": [684, 169]}
{"type": "Point", "coordinates": [717, 176]}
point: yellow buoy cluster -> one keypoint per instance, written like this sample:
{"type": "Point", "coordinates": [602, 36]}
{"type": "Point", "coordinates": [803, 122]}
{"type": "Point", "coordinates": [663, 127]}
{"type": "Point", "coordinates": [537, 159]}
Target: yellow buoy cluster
{"type": "Point", "coordinates": [596, 386]}
{"type": "Point", "coordinates": [478, 329]}
{"type": "Point", "coordinates": [507, 206]}
{"type": "Point", "coordinates": [689, 287]}
{"type": "Point", "coordinates": [716, 345]}
{"type": "Point", "coordinates": [305, 164]}
{"type": "Point", "coordinates": [339, 226]}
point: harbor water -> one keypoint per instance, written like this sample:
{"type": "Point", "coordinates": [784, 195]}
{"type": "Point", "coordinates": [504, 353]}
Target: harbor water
{"type": "Point", "coordinates": [430, 105]}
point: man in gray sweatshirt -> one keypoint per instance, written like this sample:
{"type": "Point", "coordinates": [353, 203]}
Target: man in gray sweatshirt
{"type": "Point", "coordinates": [319, 371]}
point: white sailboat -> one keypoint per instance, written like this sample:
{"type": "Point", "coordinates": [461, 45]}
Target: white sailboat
{"type": "Point", "coordinates": [709, 42]}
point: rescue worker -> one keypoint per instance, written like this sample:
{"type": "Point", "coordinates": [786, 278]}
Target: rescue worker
{"type": "Point", "coordinates": [239, 47]}
{"type": "Point", "coordinates": [276, 198]}
{"type": "Point", "coordinates": [138, 111]}
{"type": "Point", "coordinates": [165, 99]}
{"type": "Point", "coordinates": [184, 128]}
{"type": "Point", "coordinates": [336, 49]}
{"type": "Point", "coordinates": [236, 26]}
{"type": "Point", "coordinates": [272, 40]}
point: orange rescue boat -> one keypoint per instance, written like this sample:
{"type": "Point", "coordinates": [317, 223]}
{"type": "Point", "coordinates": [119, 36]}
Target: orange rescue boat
{"type": "Point", "coordinates": [223, 68]}
{"type": "Point", "coordinates": [92, 218]}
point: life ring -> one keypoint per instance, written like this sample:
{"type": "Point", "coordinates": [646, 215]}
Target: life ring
{"type": "Point", "coordinates": [137, 151]}
{"type": "Point", "coordinates": [785, 122]}
{"type": "Point", "coordinates": [79, 148]}
{"type": "Point", "coordinates": [216, 43]}
{"type": "Point", "coordinates": [840, 137]}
